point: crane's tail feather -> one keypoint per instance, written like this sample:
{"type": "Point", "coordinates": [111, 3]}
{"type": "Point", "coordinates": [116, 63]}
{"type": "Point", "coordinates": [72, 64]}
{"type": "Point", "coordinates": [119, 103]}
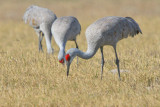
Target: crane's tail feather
{"type": "Point", "coordinates": [26, 15]}
{"type": "Point", "coordinates": [134, 27]}
{"type": "Point", "coordinates": [29, 16]}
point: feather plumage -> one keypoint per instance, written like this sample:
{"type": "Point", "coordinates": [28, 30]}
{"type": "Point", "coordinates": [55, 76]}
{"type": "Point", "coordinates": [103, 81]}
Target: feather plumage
{"type": "Point", "coordinates": [36, 15]}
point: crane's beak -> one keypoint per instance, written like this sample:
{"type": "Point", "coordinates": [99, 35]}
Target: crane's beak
{"type": "Point", "coordinates": [68, 66]}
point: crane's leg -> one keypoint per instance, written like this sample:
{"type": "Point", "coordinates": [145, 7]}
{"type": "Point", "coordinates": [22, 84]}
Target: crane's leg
{"type": "Point", "coordinates": [117, 62]}
{"type": "Point", "coordinates": [40, 41]}
{"type": "Point", "coordinates": [40, 37]}
{"type": "Point", "coordinates": [102, 62]}
{"type": "Point", "coordinates": [77, 48]}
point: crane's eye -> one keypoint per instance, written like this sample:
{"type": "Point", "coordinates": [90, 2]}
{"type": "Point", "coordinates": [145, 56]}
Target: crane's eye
{"type": "Point", "coordinates": [61, 61]}
{"type": "Point", "coordinates": [67, 57]}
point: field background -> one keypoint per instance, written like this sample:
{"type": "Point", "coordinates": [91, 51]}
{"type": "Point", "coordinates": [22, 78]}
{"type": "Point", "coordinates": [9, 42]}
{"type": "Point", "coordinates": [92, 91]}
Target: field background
{"type": "Point", "coordinates": [29, 78]}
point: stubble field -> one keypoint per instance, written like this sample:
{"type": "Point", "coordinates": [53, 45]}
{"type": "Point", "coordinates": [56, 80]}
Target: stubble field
{"type": "Point", "coordinates": [30, 78]}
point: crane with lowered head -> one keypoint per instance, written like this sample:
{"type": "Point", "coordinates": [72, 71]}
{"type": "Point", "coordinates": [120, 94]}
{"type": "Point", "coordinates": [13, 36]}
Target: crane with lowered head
{"type": "Point", "coordinates": [105, 31]}
{"type": "Point", "coordinates": [41, 20]}
{"type": "Point", "coordinates": [64, 29]}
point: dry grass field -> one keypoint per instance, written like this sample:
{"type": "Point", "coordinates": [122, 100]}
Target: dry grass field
{"type": "Point", "coordinates": [29, 78]}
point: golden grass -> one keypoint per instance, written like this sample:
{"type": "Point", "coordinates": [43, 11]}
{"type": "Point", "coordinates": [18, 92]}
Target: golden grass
{"type": "Point", "coordinates": [30, 78]}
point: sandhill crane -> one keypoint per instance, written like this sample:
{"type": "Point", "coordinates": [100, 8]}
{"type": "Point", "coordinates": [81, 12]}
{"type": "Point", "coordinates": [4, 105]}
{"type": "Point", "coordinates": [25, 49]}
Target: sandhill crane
{"type": "Point", "coordinates": [105, 31]}
{"type": "Point", "coordinates": [64, 29]}
{"type": "Point", "coordinates": [41, 20]}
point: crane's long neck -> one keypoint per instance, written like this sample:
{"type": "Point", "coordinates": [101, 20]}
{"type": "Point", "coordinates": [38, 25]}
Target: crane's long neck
{"type": "Point", "coordinates": [86, 55]}
{"type": "Point", "coordinates": [61, 51]}
{"type": "Point", "coordinates": [48, 43]}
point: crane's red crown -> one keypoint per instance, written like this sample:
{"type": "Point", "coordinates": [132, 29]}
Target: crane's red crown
{"type": "Point", "coordinates": [61, 61]}
{"type": "Point", "coordinates": [67, 57]}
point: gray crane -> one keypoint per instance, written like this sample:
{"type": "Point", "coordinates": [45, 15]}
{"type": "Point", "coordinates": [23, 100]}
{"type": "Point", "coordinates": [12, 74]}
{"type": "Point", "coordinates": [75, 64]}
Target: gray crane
{"type": "Point", "coordinates": [41, 20]}
{"type": "Point", "coordinates": [105, 31]}
{"type": "Point", "coordinates": [64, 29]}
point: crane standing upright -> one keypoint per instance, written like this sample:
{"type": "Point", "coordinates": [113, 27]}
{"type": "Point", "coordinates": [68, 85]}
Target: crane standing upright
{"type": "Point", "coordinates": [105, 31]}
{"type": "Point", "coordinates": [41, 20]}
